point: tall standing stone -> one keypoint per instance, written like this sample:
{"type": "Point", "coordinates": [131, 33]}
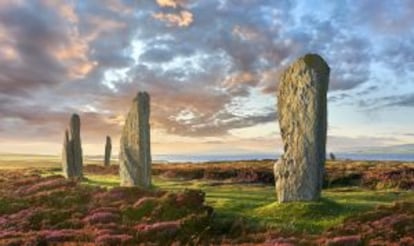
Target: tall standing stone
{"type": "Point", "coordinates": [72, 162]}
{"type": "Point", "coordinates": [302, 113]}
{"type": "Point", "coordinates": [108, 149]}
{"type": "Point", "coordinates": [135, 152]}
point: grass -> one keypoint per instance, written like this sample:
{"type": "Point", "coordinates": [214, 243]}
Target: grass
{"type": "Point", "coordinates": [22, 161]}
{"type": "Point", "coordinates": [107, 181]}
{"type": "Point", "coordinates": [256, 203]}
{"type": "Point", "coordinates": [332, 209]}
{"type": "Point", "coordinates": [253, 203]}
{"type": "Point", "coordinates": [18, 161]}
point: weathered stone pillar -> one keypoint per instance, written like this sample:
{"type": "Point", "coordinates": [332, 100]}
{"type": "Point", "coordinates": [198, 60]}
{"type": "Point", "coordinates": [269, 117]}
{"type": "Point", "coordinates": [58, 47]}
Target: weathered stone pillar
{"type": "Point", "coordinates": [302, 113]}
{"type": "Point", "coordinates": [135, 152]}
{"type": "Point", "coordinates": [72, 162]}
{"type": "Point", "coordinates": [108, 149]}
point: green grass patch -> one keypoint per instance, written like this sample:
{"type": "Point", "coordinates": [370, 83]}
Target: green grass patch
{"type": "Point", "coordinates": [332, 209]}
{"type": "Point", "coordinates": [257, 203]}
{"type": "Point", "coordinates": [107, 181]}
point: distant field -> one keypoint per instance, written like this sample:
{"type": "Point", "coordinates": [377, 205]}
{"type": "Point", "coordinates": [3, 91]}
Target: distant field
{"type": "Point", "coordinates": [12, 161]}
{"type": "Point", "coordinates": [16, 161]}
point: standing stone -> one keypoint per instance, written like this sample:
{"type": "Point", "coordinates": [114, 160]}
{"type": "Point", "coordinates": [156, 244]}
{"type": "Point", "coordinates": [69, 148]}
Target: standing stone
{"type": "Point", "coordinates": [72, 162]}
{"type": "Point", "coordinates": [135, 152]}
{"type": "Point", "coordinates": [108, 149]}
{"type": "Point", "coordinates": [302, 114]}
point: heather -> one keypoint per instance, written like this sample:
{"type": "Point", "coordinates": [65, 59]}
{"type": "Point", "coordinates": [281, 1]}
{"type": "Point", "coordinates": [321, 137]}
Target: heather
{"type": "Point", "coordinates": [341, 173]}
{"type": "Point", "coordinates": [363, 203]}
{"type": "Point", "coordinates": [385, 225]}
{"type": "Point", "coordinates": [36, 209]}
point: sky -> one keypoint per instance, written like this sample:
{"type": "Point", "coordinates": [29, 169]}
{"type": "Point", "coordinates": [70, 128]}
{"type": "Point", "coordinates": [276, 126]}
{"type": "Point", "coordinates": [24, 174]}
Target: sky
{"type": "Point", "coordinates": [211, 69]}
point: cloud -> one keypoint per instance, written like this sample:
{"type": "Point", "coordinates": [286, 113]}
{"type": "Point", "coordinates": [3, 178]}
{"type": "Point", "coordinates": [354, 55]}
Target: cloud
{"type": "Point", "coordinates": [38, 53]}
{"type": "Point", "coordinates": [377, 103]}
{"type": "Point", "coordinates": [338, 98]}
{"type": "Point", "coordinates": [383, 21]}
{"type": "Point", "coordinates": [209, 66]}
{"type": "Point", "coordinates": [401, 100]}
{"type": "Point", "coordinates": [203, 67]}
{"type": "Point", "coordinates": [348, 55]}
{"type": "Point", "coordinates": [171, 3]}
{"type": "Point", "coordinates": [180, 19]}
{"type": "Point", "coordinates": [157, 55]}
{"type": "Point", "coordinates": [51, 65]}
{"type": "Point", "coordinates": [217, 125]}
{"type": "Point", "coordinates": [246, 33]}
{"type": "Point", "coordinates": [397, 57]}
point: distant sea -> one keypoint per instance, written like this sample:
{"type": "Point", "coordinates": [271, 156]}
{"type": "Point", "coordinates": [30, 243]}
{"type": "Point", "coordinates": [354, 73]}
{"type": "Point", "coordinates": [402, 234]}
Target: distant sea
{"type": "Point", "coordinates": [236, 157]}
{"type": "Point", "coordinates": [212, 158]}
{"type": "Point", "coordinates": [376, 156]}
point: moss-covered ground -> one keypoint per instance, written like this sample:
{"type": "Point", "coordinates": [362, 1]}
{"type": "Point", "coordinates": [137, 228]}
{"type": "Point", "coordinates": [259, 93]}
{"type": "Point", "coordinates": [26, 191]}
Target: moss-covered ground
{"type": "Point", "coordinates": [257, 204]}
